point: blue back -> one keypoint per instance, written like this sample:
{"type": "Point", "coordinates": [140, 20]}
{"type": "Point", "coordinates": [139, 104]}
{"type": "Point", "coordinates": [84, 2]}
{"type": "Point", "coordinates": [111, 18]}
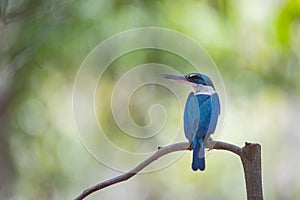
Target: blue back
{"type": "Point", "coordinates": [201, 115]}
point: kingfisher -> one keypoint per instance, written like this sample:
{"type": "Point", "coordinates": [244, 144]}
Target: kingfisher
{"type": "Point", "coordinates": [201, 113]}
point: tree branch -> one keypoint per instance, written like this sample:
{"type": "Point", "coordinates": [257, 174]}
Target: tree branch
{"type": "Point", "coordinates": [242, 152]}
{"type": "Point", "coordinates": [251, 159]}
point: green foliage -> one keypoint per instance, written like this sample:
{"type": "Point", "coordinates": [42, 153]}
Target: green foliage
{"type": "Point", "coordinates": [287, 21]}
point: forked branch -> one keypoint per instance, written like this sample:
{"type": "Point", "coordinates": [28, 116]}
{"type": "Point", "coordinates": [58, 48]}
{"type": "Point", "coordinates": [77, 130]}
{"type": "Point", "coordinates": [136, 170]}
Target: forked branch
{"type": "Point", "coordinates": [250, 156]}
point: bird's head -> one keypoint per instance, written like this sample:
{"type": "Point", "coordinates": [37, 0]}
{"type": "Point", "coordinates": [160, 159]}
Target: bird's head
{"type": "Point", "coordinates": [199, 82]}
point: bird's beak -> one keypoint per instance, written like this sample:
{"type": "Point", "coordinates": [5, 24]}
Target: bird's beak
{"type": "Point", "coordinates": [175, 77]}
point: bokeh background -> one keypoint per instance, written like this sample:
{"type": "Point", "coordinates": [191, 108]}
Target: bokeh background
{"type": "Point", "coordinates": [255, 44]}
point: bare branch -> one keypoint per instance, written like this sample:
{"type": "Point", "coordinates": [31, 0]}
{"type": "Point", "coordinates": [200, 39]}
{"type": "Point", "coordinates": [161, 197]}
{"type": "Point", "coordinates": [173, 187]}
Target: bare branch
{"type": "Point", "coordinates": [223, 146]}
{"type": "Point", "coordinates": [251, 160]}
{"type": "Point", "coordinates": [160, 152]}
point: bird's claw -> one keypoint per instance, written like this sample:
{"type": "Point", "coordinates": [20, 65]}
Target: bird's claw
{"type": "Point", "coordinates": [210, 140]}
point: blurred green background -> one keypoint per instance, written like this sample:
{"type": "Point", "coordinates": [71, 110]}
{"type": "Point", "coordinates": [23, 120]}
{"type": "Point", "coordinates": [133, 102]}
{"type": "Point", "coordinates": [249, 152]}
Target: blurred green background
{"type": "Point", "coordinates": [255, 44]}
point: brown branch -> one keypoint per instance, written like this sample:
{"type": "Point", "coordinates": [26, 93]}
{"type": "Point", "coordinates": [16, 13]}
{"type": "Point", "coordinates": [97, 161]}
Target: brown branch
{"type": "Point", "coordinates": [251, 159]}
{"type": "Point", "coordinates": [223, 146]}
{"type": "Point", "coordinates": [242, 152]}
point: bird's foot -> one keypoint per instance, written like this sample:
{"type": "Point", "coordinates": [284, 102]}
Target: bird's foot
{"type": "Point", "coordinates": [209, 141]}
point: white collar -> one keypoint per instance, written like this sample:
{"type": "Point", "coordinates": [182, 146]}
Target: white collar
{"type": "Point", "coordinates": [203, 89]}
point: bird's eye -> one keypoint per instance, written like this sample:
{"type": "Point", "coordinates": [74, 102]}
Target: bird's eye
{"type": "Point", "coordinates": [193, 78]}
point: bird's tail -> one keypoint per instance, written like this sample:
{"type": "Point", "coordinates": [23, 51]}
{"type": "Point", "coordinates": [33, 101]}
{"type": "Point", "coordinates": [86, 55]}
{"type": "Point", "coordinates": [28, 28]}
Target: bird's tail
{"type": "Point", "coordinates": [198, 155]}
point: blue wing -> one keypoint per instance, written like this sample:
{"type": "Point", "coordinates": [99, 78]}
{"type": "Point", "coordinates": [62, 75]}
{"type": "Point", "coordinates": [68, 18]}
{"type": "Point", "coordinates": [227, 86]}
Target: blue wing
{"type": "Point", "coordinates": [215, 112]}
{"type": "Point", "coordinates": [191, 117]}
{"type": "Point", "coordinates": [209, 114]}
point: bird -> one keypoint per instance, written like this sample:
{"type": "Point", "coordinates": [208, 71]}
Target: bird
{"type": "Point", "coordinates": [201, 113]}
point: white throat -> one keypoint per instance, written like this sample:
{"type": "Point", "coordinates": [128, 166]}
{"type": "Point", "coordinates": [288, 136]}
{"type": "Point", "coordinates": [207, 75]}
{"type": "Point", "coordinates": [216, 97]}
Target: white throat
{"type": "Point", "coordinates": [203, 89]}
